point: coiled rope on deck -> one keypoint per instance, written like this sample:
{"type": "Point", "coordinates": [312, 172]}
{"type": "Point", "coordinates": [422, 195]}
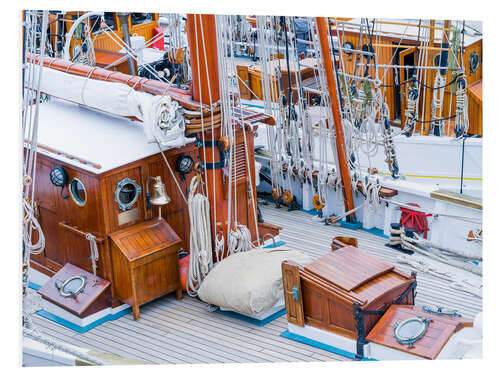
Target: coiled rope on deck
{"type": "Point", "coordinates": [200, 259]}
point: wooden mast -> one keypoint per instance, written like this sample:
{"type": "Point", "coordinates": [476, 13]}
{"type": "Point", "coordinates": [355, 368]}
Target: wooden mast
{"type": "Point", "coordinates": [337, 122]}
{"type": "Point", "coordinates": [429, 82]}
{"type": "Point", "coordinates": [202, 43]}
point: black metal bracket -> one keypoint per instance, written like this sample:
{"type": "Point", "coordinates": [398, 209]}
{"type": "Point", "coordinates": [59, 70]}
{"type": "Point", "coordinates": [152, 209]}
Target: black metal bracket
{"type": "Point", "coordinates": [359, 317]}
{"type": "Point", "coordinates": [412, 288]}
{"type": "Point", "coordinates": [215, 144]}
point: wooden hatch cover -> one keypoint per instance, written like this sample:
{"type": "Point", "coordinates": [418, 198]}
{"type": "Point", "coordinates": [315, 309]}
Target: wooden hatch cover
{"type": "Point", "coordinates": [93, 297]}
{"type": "Point", "coordinates": [349, 267]}
{"type": "Point", "coordinates": [430, 345]}
{"type": "Point", "coordinates": [143, 239]}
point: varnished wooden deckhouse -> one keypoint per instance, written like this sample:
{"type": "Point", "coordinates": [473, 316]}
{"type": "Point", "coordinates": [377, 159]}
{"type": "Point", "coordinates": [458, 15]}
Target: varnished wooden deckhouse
{"type": "Point", "coordinates": [108, 163]}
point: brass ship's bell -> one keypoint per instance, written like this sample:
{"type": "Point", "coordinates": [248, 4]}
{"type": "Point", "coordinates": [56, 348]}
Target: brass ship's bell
{"type": "Point", "coordinates": [159, 196]}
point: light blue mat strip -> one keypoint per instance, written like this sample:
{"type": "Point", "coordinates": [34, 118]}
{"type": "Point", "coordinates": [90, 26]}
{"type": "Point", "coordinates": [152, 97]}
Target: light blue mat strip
{"type": "Point", "coordinates": [304, 340]}
{"type": "Point", "coordinates": [73, 326]}
{"type": "Point", "coordinates": [250, 320]}
{"type": "Point", "coordinates": [279, 243]}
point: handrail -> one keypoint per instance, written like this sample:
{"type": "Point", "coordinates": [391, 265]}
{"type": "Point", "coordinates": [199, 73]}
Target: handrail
{"type": "Point", "coordinates": [74, 229]}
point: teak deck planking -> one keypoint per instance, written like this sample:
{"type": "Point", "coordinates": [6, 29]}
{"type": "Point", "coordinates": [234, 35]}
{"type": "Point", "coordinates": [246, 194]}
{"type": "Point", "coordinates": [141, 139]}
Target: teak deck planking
{"type": "Point", "coordinates": [167, 326]}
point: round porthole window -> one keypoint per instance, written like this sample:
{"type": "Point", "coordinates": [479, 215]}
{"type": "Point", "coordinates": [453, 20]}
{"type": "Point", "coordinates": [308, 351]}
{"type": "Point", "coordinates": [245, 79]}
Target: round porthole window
{"type": "Point", "coordinates": [411, 330]}
{"type": "Point", "coordinates": [126, 193]}
{"type": "Point", "coordinates": [72, 286]}
{"type": "Point", "coordinates": [78, 192]}
{"type": "Point", "coordinates": [473, 62]}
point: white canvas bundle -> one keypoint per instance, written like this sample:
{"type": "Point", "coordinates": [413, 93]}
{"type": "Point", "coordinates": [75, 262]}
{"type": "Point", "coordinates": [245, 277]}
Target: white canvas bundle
{"type": "Point", "coordinates": [249, 282]}
{"type": "Point", "coordinates": [161, 117]}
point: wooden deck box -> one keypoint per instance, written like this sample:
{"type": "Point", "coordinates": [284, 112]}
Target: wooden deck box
{"type": "Point", "coordinates": [145, 263]}
{"type": "Point", "coordinates": [344, 292]}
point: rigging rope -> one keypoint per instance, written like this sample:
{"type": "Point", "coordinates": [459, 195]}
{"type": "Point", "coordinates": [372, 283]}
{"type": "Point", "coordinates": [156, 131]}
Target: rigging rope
{"type": "Point", "coordinates": [200, 242]}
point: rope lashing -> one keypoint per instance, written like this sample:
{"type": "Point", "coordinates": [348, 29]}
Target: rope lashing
{"type": "Point", "coordinates": [453, 257]}
{"type": "Point", "coordinates": [389, 148]}
{"type": "Point", "coordinates": [240, 239]}
{"type": "Point", "coordinates": [437, 102]}
{"type": "Point", "coordinates": [410, 111]}
{"type": "Point", "coordinates": [462, 116]}
{"type": "Point", "coordinates": [219, 246]}
{"type": "Point", "coordinates": [31, 223]}
{"type": "Point", "coordinates": [94, 254]}
{"type": "Point", "coordinates": [422, 266]}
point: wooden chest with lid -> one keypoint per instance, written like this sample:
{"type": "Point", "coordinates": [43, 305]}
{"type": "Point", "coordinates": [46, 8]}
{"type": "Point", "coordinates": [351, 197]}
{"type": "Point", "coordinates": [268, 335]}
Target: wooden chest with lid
{"type": "Point", "coordinates": [344, 292]}
{"type": "Point", "coordinates": [145, 263]}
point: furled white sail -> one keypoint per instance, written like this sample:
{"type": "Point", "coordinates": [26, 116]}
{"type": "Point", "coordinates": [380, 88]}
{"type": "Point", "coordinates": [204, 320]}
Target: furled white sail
{"type": "Point", "coordinates": [161, 117]}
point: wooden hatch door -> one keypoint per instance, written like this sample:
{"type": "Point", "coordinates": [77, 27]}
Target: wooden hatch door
{"type": "Point", "coordinates": [45, 207]}
{"type": "Point", "coordinates": [243, 181]}
{"type": "Point", "coordinates": [438, 332]}
{"type": "Point", "coordinates": [293, 293]}
{"type": "Point", "coordinates": [93, 297]}
{"type": "Point", "coordinates": [407, 57]}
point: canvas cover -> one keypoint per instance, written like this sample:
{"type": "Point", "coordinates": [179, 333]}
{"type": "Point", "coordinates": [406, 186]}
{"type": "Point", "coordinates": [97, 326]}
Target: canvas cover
{"type": "Point", "coordinates": [160, 115]}
{"type": "Point", "coordinates": [249, 282]}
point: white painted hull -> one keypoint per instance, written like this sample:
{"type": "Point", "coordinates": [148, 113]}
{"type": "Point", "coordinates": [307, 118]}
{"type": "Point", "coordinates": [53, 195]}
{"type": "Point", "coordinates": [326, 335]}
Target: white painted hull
{"type": "Point", "coordinates": [464, 344]}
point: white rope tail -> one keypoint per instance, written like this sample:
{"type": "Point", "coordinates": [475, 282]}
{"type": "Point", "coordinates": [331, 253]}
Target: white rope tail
{"type": "Point", "coordinates": [240, 239]}
{"type": "Point", "coordinates": [200, 259]}
{"type": "Point", "coordinates": [94, 254]}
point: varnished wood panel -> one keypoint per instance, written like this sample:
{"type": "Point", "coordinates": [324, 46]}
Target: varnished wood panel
{"type": "Point", "coordinates": [147, 262]}
{"type": "Point", "coordinates": [77, 251]}
{"type": "Point", "coordinates": [111, 209]}
{"type": "Point", "coordinates": [349, 268]}
{"type": "Point", "coordinates": [430, 345]}
{"type": "Point", "coordinates": [291, 278]}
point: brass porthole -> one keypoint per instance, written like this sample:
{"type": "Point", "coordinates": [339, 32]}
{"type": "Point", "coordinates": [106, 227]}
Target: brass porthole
{"type": "Point", "coordinates": [78, 192]}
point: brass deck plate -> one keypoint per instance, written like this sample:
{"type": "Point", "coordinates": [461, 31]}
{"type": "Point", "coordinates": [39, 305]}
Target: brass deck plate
{"type": "Point", "coordinates": [128, 216]}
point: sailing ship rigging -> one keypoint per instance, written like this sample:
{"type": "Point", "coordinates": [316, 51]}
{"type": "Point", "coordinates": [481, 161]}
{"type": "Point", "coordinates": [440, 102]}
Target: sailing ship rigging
{"type": "Point", "coordinates": [226, 114]}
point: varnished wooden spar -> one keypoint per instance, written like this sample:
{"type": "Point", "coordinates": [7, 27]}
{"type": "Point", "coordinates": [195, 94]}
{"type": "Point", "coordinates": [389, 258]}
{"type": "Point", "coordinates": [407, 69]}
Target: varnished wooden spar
{"type": "Point", "coordinates": [337, 122]}
{"type": "Point", "coordinates": [202, 42]}
{"type": "Point", "coordinates": [151, 86]}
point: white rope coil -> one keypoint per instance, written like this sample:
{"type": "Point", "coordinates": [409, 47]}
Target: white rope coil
{"type": "Point", "coordinates": [240, 239]}
{"type": "Point", "coordinates": [30, 224]}
{"type": "Point", "coordinates": [200, 259]}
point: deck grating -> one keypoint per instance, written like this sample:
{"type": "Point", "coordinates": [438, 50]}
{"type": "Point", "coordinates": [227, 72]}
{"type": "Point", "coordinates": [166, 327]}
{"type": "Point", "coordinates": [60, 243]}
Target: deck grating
{"type": "Point", "coordinates": [184, 331]}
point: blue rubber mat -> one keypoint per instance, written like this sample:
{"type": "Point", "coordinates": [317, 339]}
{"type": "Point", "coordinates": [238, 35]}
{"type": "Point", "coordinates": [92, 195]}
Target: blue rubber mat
{"type": "Point", "coordinates": [304, 340]}
{"type": "Point", "coordinates": [250, 320]}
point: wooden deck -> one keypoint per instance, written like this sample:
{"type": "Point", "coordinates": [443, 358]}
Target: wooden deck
{"type": "Point", "coordinates": [184, 331]}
